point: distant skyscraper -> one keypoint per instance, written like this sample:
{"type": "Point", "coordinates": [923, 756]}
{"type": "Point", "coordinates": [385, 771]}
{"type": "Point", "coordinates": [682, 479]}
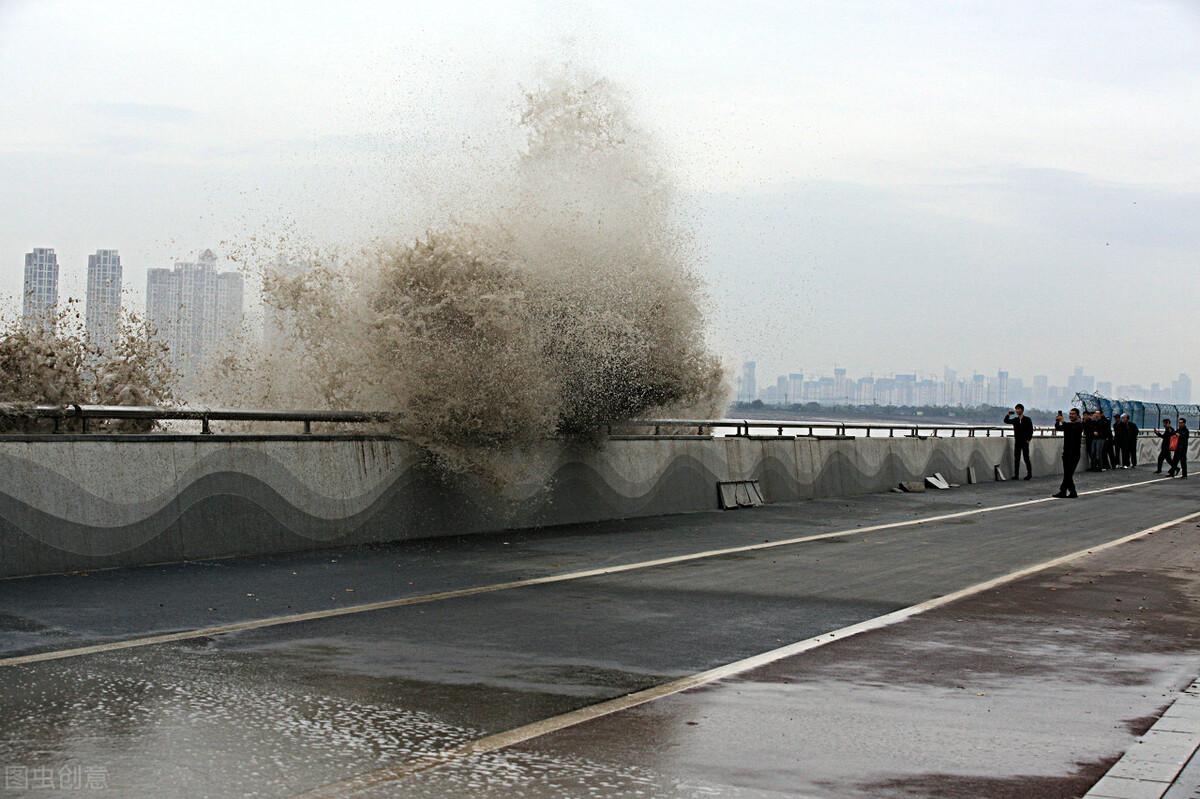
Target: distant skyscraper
{"type": "Point", "coordinates": [1079, 383]}
{"type": "Point", "coordinates": [795, 387]}
{"type": "Point", "coordinates": [40, 298]}
{"type": "Point", "coordinates": [1104, 388]}
{"type": "Point", "coordinates": [194, 309]}
{"type": "Point", "coordinates": [841, 386]}
{"type": "Point", "coordinates": [1002, 388]}
{"type": "Point", "coordinates": [749, 391]}
{"type": "Point", "coordinates": [103, 297]}
{"type": "Point", "coordinates": [1041, 391]}
{"type": "Point", "coordinates": [1181, 390]}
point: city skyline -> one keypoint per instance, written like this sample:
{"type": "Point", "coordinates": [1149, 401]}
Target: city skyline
{"type": "Point", "coordinates": [949, 389]}
{"type": "Point", "coordinates": [191, 306]}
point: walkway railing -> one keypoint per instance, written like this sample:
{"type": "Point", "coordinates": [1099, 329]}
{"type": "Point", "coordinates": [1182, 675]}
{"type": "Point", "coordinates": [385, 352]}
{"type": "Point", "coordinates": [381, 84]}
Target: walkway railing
{"type": "Point", "coordinates": [60, 415]}
{"type": "Point", "coordinates": [747, 427]}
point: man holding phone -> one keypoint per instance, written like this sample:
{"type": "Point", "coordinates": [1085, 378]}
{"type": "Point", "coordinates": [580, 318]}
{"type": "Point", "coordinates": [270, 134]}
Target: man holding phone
{"type": "Point", "coordinates": [1072, 430]}
{"type": "Point", "coordinates": [1022, 435]}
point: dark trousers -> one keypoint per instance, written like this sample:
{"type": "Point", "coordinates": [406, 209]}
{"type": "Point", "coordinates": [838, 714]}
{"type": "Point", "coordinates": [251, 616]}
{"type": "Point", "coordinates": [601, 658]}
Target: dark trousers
{"type": "Point", "coordinates": [1164, 456]}
{"type": "Point", "coordinates": [1110, 454]}
{"type": "Point", "coordinates": [1070, 461]}
{"type": "Point", "coordinates": [1179, 462]}
{"type": "Point", "coordinates": [1129, 455]}
{"type": "Point", "coordinates": [1021, 449]}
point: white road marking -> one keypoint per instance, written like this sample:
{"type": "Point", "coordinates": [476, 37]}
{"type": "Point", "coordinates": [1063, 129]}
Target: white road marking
{"type": "Point", "coordinates": [421, 599]}
{"type": "Point", "coordinates": [525, 733]}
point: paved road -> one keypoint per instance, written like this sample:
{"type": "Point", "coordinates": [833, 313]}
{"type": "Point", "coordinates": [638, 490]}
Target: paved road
{"type": "Point", "coordinates": [283, 709]}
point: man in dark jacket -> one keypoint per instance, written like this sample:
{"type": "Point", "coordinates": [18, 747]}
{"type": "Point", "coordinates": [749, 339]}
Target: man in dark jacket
{"type": "Point", "coordinates": [1072, 431]}
{"type": "Point", "coordinates": [1129, 442]}
{"type": "Point", "coordinates": [1179, 462]}
{"type": "Point", "coordinates": [1022, 435]}
{"type": "Point", "coordinates": [1108, 457]}
{"type": "Point", "coordinates": [1091, 434]}
{"type": "Point", "coordinates": [1120, 425]}
{"type": "Point", "coordinates": [1164, 450]}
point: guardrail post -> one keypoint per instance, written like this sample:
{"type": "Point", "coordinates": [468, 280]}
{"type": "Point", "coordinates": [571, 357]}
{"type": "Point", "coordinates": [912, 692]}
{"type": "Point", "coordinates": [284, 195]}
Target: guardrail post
{"type": "Point", "coordinates": [204, 428]}
{"type": "Point", "coordinates": [307, 426]}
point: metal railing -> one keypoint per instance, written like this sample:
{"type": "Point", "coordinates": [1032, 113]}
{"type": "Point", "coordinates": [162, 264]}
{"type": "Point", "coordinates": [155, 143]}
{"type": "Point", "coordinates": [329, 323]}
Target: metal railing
{"type": "Point", "coordinates": [85, 414]}
{"type": "Point", "coordinates": [744, 427]}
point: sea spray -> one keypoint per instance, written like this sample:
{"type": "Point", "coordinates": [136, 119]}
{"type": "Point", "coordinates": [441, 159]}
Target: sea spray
{"type": "Point", "coordinates": [570, 303]}
{"type": "Point", "coordinates": [55, 362]}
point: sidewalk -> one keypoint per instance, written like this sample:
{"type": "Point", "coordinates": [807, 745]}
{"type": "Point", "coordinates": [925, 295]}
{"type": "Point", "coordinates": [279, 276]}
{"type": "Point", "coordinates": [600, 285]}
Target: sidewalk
{"type": "Point", "coordinates": [1162, 763]}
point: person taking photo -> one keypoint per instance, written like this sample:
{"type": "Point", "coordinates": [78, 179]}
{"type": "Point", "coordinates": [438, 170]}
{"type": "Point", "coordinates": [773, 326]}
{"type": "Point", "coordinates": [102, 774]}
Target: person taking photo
{"type": "Point", "coordinates": [1022, 435]}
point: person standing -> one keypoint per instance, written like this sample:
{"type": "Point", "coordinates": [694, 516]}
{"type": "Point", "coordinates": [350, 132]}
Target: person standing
{"type": "Point", "coordinates": [1129, 452]}
{"type": "Point", "coordinates": [1022, 435]}
{"type": "Point", "coordinates": [1108, 454]}
{"type": "Point", "coordinates": [1164, 450]}
{"type": "Point", "coordinates": [1091, 433]}
{"type": "Point", "coordinates": [1120, 428]}
{"type": "Point", "coordinates": [1072, 430]}
{"type": "Point", "coordinates": [1179, 462]}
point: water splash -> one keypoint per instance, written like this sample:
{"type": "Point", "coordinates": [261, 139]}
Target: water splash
{"type": "Point", "coordinates": [566, 302]}
{"type": "Point", "coordinates": [57, 363]}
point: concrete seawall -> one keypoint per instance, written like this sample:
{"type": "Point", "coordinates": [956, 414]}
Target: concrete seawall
{"type": "Point", "coordinates": [71, 503]}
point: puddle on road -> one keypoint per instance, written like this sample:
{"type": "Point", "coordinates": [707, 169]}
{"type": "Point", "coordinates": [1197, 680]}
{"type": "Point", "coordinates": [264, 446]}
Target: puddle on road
{"type": "Point", "coordinates": [528, 775]}
{"type": "Point", "coordinates": [180, 730]}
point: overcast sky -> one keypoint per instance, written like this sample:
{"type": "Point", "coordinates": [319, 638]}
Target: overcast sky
{"type": "Point", "coordinates": [884, 186]}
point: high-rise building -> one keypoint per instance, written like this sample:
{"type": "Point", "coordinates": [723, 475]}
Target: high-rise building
{"type": "Point", "coordinates": [40, 299]}
{"type": "Point", "coordinates": [795, 387]}
{"type": "Point", "coordinates": [103, 297]}
{"type": "Point", "coordinates": [781, 390]}
{"type": "Point", "coordinates": [1041, 391]}
{"type": "Point", "coordinates": [1181, 390]}
{"type": "Point", "coordinates": [749, 391]}
{"type": "Point", "coordinates": [1104, 388]}
{"type": "Point", "coordinates": [1079, 383]}
{"type": "Point", "coordinates": [1002, 388]}
{"type": "Point", "coordinates": [194, 309]}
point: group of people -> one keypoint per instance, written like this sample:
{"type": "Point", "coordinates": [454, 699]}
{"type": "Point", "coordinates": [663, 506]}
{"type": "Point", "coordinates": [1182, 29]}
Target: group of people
{"type": "Point", "coordinates": [1108, 445]}
{"type": "Point", "coordinates": [1105, 440]}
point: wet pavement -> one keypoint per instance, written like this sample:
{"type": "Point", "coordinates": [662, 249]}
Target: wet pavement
{"type": "Point", "coordinates": [1042, 680]}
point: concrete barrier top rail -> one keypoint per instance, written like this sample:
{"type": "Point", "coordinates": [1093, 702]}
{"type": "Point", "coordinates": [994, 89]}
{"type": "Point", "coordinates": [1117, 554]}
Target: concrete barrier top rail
{"type": "Point", "coordinates": [84, 414]}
